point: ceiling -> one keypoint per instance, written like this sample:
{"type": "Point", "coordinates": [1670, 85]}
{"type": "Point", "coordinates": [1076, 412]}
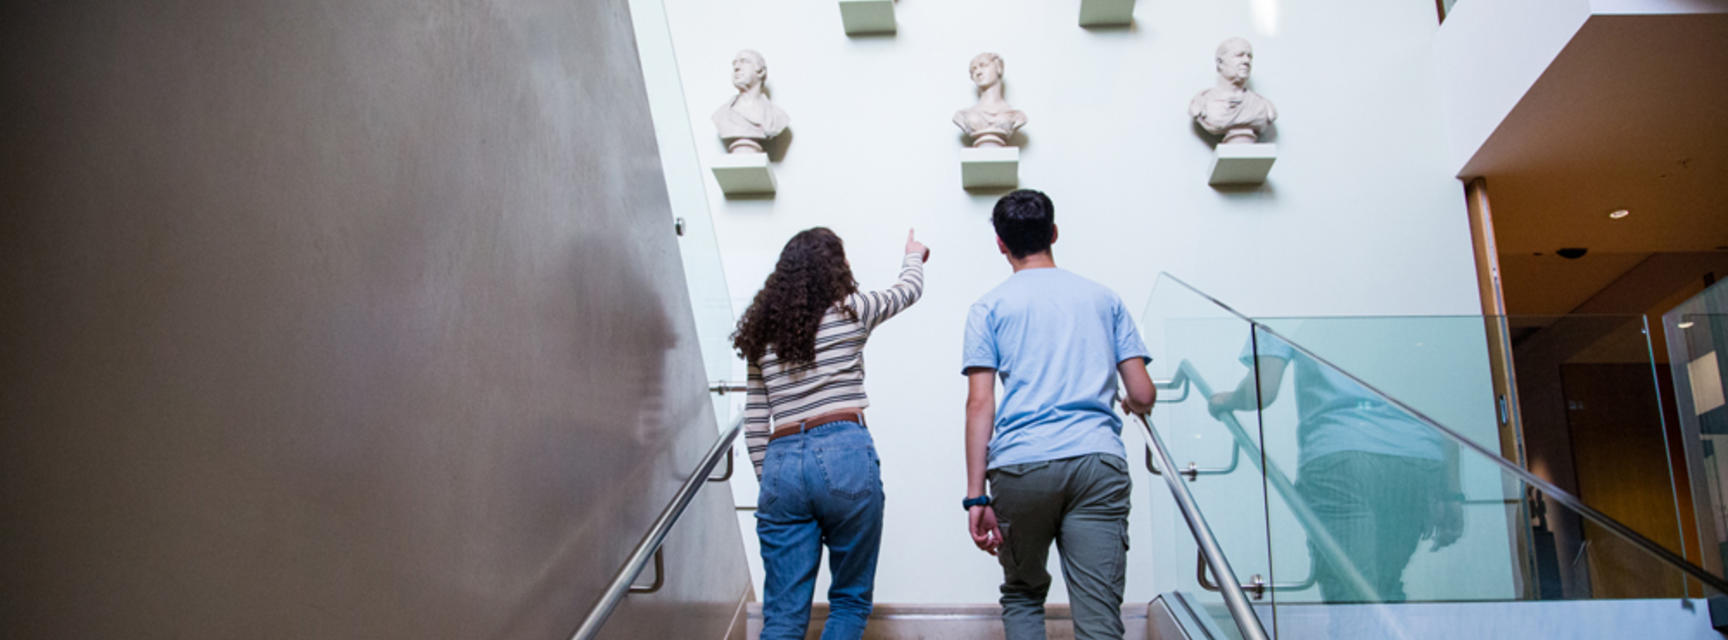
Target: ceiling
{"type": "Point", "coordinates": [1632, 114]}
{"type": "Point", "coordinates": [1550, 285]}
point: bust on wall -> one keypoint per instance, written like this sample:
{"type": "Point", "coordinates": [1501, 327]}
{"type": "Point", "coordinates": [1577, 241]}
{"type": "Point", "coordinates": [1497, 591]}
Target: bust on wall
{"type": "Point", "coordinates": [745, 124]}
{"type": "Point", "coordinates": [749, 119]}
{"type": "Point", "coordinates": [1230, 108]}
{"type": "Point", "coordinates": [1239, 115]}
{"type": "Point", "coordinates": [990, 122]}
{"type": "Point", "coordinates": [988, 161]}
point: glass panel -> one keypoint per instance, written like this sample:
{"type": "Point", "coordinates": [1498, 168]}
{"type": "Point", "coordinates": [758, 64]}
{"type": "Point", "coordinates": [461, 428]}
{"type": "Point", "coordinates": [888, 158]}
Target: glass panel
{"type": "Point", "coordinates": [1696, 333]}
{"type": "Point", "coordinates": [704, 272]}
{"type": "Point", "coordinates": [1439, 365]}
{"type": "Point", "coordinates": [1587, 410]}
{"type": "Point", "coordinates": [1706, 367]}
{"type": "Point", "coordinates": [1365, 504]}
{"type": "Point", "coordinates": [1194, 338]}
{"type": "Point", "coordinates": [1384, 508]}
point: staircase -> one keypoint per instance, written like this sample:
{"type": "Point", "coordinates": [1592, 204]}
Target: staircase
{"type": "Point", "coordinates": [1176, 616]}
{"type": "Point", "coordinates": [952, 621]}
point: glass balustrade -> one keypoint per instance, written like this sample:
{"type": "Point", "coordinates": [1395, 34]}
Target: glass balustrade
{"type": "Point", "coordinates": [1696, 334]}
{"type": "Point", "coordinates": [1200, 340]}
{"type": "Point", "coordinates": [1696, 343]}
{"type": "Point", "coordinates": [1374, 471]}
{"type": "Point", "coordinates": [704, 273]}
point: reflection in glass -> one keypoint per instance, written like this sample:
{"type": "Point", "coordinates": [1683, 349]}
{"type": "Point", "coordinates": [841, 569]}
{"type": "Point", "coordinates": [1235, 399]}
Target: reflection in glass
{"type": "Point", "coordinates": [1382, 463]}
{"type": "Point", "coordinates": [1377, 480]}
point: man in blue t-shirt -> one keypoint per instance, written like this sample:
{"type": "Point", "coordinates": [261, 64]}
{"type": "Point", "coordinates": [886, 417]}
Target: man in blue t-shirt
{"type": "Point", "coordinates": [1053, 452]}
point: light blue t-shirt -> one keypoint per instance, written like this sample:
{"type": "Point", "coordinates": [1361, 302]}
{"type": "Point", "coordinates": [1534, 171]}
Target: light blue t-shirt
{"type": "Point", "coordinates": [1054, 339]}
{"type": "Point", "coordinates": [1336, 414]}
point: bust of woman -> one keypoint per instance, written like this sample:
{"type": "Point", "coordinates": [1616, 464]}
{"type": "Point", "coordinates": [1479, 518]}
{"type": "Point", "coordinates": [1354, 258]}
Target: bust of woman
{"type": "Point", "coordinates": [990, 122]}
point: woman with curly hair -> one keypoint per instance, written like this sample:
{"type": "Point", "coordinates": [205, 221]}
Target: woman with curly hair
{"type": "Point", "coordinates": [803, 337]}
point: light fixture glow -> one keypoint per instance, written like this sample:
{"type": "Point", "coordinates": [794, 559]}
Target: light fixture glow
{"type": "Point", "coordinates": [1619, 213]}
{"type": "Point", "coordinates": [1264, 13]}
{"type": "Point", "coordinates": [1685, 325]}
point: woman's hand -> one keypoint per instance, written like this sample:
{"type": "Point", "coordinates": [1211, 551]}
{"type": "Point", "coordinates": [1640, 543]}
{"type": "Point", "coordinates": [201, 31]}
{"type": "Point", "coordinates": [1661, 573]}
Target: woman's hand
{"type": "Point", "coordinates": [914, 246]}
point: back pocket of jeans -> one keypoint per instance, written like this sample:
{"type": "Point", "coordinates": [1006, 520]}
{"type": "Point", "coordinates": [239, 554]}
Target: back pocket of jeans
{"type": "Point", "coordinates": [850, 473]}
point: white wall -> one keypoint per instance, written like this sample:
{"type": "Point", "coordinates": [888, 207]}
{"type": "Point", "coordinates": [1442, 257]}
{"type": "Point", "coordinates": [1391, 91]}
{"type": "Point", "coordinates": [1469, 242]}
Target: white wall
{"type": "Point", "coordinates": [1490, 52]}
{"type": "Point", "coordinates": [1488, 55]}
{"type": "Point", "coordinates": [1361, 215]}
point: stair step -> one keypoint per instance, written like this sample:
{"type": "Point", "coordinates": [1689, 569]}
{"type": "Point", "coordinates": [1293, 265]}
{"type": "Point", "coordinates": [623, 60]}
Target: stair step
{"type": "Point", "coordinates": [950, 621]}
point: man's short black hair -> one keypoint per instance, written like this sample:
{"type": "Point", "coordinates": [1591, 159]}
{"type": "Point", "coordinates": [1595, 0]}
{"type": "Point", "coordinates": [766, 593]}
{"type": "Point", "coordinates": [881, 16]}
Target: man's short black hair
{"type": "Point", "coordinates": [1025, 220]}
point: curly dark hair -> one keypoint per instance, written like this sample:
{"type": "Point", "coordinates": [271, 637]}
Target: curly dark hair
{"type": "Point", "coordinates": [811, 276]}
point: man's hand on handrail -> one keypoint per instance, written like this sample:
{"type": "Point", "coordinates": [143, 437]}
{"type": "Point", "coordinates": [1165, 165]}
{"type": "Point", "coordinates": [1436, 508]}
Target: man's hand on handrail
{"type": "Point", "coordinates": [1139, 394]}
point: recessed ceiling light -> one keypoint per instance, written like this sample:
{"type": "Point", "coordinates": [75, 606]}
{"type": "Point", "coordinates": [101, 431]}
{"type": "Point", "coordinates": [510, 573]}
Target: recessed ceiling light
{"type": "Point", "coordinates": [1685, 325]}
{"type": "Point", "coordinates": [1619, 213]}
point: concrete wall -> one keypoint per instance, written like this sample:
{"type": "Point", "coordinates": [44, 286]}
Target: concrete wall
{"type": "Point", "coordinates": [333, 319]}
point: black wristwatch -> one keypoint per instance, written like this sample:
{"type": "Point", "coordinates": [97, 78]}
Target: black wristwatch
{"type": "Point", "coordinates": [980, 501]}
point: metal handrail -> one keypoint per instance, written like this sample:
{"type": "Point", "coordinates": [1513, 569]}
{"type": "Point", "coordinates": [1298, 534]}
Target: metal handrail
{"type": "Point", "coordinates": [1280, 482]}
{"type": "Point", "coordinates": [1544, 486]}
{"type": "Point", "coordinates": [1192, 471]}
{"type": "Point", "coordinates": [730, 465]}
{"type": "Point", "coordinates": [659, 574]}
{"type": "Point", "coordinates": [1256, 584]}
{"type": "Point", "coordinates": [1234, 598]}
{"type": "Point", "coordinates": [649, 547]}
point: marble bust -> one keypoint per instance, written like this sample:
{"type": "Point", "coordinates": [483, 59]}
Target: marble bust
{"type": "Point", "coordinates": [1230, 109]}
{"type": "Point", "coordinates": [749, 119]}
{"type": "Point", "coordinates": [990, 122]}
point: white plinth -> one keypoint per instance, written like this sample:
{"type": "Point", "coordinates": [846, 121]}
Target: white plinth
{"type": "Point", "coordinates": [867, 16]}
{"type": "Point", "coordinates": [1242, 163]}
{"type": "Point", "coordinates": [1103, 13]}
{"type": "Point", "coordinates": [744, 173]}
{"type": "Point", "coordinates": [990, 167]}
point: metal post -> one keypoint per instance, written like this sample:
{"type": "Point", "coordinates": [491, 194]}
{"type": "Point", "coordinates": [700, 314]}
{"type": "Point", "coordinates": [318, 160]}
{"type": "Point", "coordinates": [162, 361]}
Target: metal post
{"type": "Point", "coordinates": [1234, 598]}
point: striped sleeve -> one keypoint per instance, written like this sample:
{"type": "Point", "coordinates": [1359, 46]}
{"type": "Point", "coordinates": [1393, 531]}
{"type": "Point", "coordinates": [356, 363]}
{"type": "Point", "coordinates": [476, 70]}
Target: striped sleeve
{"type": "Point", "coordinates": [756, 413]}
{"type": "Point", "coordinates": [874, 307]}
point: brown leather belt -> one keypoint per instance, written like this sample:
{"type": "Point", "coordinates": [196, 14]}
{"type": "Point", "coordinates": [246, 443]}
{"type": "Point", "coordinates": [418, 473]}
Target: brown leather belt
{"type": "Point", "coordinates": [849, 415]}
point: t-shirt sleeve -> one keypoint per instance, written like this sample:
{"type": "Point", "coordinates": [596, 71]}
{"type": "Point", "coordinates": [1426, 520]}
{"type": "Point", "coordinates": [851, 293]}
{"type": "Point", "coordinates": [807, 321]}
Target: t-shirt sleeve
{"type": "Point", "coordinates": [1270, 347]}
{"type": "Point", "coordinates": [1128, 343]}
{"type": "Point", "coordinates": [979, 351]}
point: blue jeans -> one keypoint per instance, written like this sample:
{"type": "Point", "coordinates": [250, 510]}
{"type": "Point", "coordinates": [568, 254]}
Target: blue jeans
{"type": "Point", "coordinates": [820, 487]}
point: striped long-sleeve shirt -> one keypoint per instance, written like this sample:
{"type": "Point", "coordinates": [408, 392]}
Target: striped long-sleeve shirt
{"type": "Point", "coordinates": [777, 394]}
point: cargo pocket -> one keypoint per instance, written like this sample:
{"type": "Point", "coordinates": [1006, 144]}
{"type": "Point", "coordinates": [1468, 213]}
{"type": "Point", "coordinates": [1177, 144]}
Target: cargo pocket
{"type": "Point", "coordinates": [1119, 575]}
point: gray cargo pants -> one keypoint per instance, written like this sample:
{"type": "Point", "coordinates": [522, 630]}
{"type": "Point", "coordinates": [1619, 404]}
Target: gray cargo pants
{"type": "Point", "coordinates": [1082, 505]}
